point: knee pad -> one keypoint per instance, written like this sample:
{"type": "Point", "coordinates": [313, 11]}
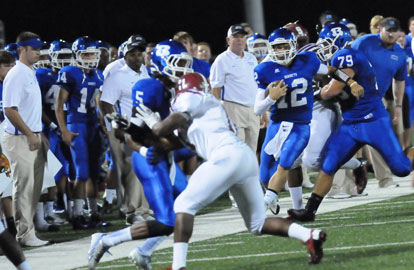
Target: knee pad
{"type": "Point", "coordinates": [156, 228]}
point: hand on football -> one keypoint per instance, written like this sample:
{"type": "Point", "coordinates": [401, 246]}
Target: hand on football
{"type": "Point", "coordinates": [356, 89]}
{"type": "Point", "coordinates": [277, 89]}
{"type": "Point", "coordinates": [145, 114]}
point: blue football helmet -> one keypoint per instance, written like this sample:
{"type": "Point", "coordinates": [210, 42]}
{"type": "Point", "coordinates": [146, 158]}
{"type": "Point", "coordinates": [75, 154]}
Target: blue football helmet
{"type": "Point", "coordinates": [60, 53]}
{"type": "Point", "coordinates": [333, 37]}
{"type": "Point", "coordinates": [121, 49]}
{"type": "Point", "coordinates": [12, 47]}
{"type": "Point", "coordinates": [171, 58]}
{"type": "Point", "coordinates": [282, 36]}
{"type": "Point", "coordinates": [44, 61]}
{"type": "Point", "coordinates": [258, 45]}
{"type": "Point", "coordinates": [85, 46]}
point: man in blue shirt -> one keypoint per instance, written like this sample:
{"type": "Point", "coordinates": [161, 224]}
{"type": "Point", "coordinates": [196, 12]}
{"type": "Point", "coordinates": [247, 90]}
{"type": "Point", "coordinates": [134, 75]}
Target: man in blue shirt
{"type": "Point", "coordinates": [388, 61]}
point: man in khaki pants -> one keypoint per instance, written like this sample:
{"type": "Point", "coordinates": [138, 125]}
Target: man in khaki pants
{"type": "Point", "coordinates": [22, 140]}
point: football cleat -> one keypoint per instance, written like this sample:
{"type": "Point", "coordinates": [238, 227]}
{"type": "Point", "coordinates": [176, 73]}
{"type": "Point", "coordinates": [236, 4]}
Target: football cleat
{"type": "Point", "coordinates": [96, 250]}
{"type": "Point", "coordinates": [274, 206]}
{"type": "Point", "coordinates": [314, 245]}
{"type": "Point", "coordinates": [141, 262]}
{"type": "Point", "coordinates": [361, 176]}
{"type": "Point", "coordinates": [301, 215]}
{"type": "Point", "coordinates": [79, 223]}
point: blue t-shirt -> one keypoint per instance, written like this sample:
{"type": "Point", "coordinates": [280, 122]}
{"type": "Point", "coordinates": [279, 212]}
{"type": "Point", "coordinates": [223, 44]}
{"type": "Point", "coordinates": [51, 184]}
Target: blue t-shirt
{"type": "Point", "coordinates": [83, 88]}
{"type": "Point", "coordinates": [202, 67]}
{"type": "Point", "coordinates": [387, 63]}
{"type": "Point", "coordinates": [369, 107]}
{"type": "Point", "coordinates": [153, 94]}
{"type": "Point", "coordinates": [47, 79]}
{"type": "Point", "coordinates": [296, 105]}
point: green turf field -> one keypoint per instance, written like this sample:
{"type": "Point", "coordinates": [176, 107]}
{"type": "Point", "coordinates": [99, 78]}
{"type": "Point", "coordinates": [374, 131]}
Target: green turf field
{"type": "Point", "coordinates": [374, 236]}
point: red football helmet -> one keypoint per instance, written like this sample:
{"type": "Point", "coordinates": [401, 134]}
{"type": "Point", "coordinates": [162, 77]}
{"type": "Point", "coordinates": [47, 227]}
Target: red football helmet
{"type": "Point", "coordinates": [192, 82]}
{"type": "Point", "coordinates": [302, 35]}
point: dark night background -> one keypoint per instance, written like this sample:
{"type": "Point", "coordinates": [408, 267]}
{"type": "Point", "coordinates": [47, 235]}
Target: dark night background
{"type": "Point", "coordinates": [114, 21]}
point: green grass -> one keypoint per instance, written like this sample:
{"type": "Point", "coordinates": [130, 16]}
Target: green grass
{"type": "Point", "coordinates": [374, 236]}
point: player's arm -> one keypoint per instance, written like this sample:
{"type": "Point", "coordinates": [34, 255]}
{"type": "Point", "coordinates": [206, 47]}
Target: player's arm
{"type": "Point", "coordinates": [171, 123]}
{"type": "Point", "coordinates": [334, 87]}
{"type": "Point", "coordinates": [62, 96]}
{"type": "Point", "coordinates": [217, 92]}
{"type": "Point", "coordinates": [266, 98]}
{"type": "Point", "coordinates": [398, 93]}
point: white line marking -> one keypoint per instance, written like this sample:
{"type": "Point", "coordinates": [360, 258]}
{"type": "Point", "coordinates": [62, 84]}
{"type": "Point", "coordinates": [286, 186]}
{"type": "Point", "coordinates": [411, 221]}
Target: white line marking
{"type": "Point", "coordinates": [268, 254]}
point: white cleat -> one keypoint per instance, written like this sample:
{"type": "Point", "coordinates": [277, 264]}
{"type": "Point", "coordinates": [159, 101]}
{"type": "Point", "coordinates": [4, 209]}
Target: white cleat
{"type": "Point", "coordinates": [141, 262]}
{"type": "Point", "coordinates": [274, 206]}
{"type": "Point", "coordinates": [96, 250]}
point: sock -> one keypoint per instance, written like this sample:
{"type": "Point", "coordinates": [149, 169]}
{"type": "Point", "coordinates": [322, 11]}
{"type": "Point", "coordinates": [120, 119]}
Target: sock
{"type": "Point", "coordinates": [92, 205]}
{"type": "Point", "coordinates": [48, 208]}
{"type": "Point", "coordinates": [69, 207]}
{"type": "Point", "coordinates": [299, 232]}
{"type": "Point", "coordinates": [296, 196]}
{"type": "Point", "coordinates": [40, 215]}
{"type": "Point", "coordinates": [179, 255]}
{"type": "Point", "coordinates": [313, 203]}
{"type": "Point", "coordinates": [78, 207]}
{"type": "Point", "coordinates": [110, 194]}
{"type": "Point", "coordinates": [352, 164]}
{"type": "Point", "coordinates": [117, 237]}
{"type": "Point", "coordinates": [150, 245]}
{"type": "Point", "coordinates": [270, 196]}
{"type": "Point", "coordinates": [24, 266]}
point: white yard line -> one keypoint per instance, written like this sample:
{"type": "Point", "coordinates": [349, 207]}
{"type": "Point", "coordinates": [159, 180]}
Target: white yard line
{"type": "Point", "coordinates": [73, 254]}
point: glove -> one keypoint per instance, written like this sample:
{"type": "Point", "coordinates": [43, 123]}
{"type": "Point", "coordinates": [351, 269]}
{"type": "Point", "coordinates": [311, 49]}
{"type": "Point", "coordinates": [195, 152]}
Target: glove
{"type": "Point", "coordinates": [145, 114]}
{"type": "Point", "coordinates": [118, 121]}
{"type": "Point", "coordinates": [152, 156]}
{"type": "Point", "coordinates": [5, 165]}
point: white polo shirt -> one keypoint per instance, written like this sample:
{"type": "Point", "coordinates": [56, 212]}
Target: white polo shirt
{"type": "Point", "coordinates": [236, 75]}
{"type": "Point", "coordinates": [113, 67]}
{"type": "Point", "coordinates": [21, 90]}
{"type": "Point", "coordinates": [118, 87]}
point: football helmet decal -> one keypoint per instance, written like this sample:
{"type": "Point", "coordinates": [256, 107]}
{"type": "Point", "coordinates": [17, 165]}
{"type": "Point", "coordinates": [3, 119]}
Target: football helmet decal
{"type": "Point", "coordinates": [333, 37]}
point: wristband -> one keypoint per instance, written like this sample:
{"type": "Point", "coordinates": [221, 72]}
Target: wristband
{"type": "Point", "coordinates": [398, 106]}
{"type": "Point", "coordinates": [352, 84]}
{"type": "Point", "coordinates": [53, 126]}
{"type": "Point", "coordinates": [143, 151]}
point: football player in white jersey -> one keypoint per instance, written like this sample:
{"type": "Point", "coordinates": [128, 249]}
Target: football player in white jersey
{"type": "Point", "coordinates": [229, 164]}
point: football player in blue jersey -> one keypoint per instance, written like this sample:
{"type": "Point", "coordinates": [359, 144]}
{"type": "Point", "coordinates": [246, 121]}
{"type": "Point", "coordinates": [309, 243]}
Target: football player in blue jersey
{"type": "Point", "coordinates": [78, 88]}
{"type": "Point", "coordinates": [60, 54]}
{"type": "Point", "coordinates": [364, 117]}
{"type": "Point", "coordinates": [285, 86]}
{"type": "Point", "coordinates": [153, 168]}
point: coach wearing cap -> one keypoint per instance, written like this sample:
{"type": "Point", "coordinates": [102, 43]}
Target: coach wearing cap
{"type": "Point", "coordinates": [118, 88]}
{"type": "Point", "coordinates": [232, 80]}
{"type": "Point", "coordinates": [389, 62]}
{"type": "Point", "coordinates": [22, 140]}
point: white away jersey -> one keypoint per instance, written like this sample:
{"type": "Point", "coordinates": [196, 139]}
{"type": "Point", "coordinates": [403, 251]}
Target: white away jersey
{"type": "Point", "coordinates": [210, 127]}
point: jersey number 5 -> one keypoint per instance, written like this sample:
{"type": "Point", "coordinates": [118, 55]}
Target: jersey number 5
{"type": "Point", "coordinates": [299, 85]}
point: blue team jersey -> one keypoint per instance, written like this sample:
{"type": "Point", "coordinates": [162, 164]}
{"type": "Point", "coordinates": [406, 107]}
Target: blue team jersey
{"type": "Point", "coordinates": [153, 94]}
{"type": "Point", "coordinates": [296, 105]}
{"type": "Point", "coordinates": [47, 79]}
{"type": "Point", "coordinates": [82, 88]}
{"type": "Point", "coordinates": [1, 102]}
{"type": "Point", "coordinates": [202, 67]}
{"type": "Point", "coordinates": [387, 63]}
{"type": "Point", "coordinates": [369, 107]}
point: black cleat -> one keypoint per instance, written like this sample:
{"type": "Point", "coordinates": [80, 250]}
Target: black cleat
{"type": "Point", "coordinates": [79, 223]}
{"type": "Point", "coordinates": [361, 176]}
{"type": "Point", "coordinates": [314, 245]}
{"type": "Point", "coordinates": [301, 215]}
